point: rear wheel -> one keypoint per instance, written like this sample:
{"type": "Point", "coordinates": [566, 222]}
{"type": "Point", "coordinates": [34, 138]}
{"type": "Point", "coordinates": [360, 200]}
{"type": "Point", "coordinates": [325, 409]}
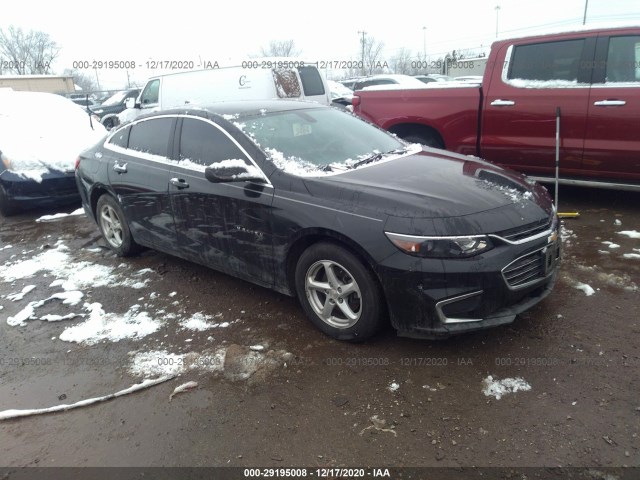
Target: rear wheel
{"type": "Point", "coordinates": [339, 295]}
{"type": "Point", "coordinates": [114, 227]}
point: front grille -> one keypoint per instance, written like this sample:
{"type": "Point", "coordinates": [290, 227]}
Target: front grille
{"type": "Point", "coordinates": [525, 269]}
{"type": "Point", "coordinates": [526, 231]}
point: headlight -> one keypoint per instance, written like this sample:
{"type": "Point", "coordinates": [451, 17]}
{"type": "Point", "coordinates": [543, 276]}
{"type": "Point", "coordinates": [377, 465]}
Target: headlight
{"type": "Point", "coordinates": [441, 247]}
{"type": "Point", "coordinates": [99, 110]}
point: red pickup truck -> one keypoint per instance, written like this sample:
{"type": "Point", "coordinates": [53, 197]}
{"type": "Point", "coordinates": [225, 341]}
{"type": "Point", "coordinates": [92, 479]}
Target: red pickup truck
{"type": "Point", "coordinates": [592, 76]}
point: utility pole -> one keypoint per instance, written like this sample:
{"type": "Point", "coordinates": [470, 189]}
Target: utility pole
{"type": "Point", "coordinates": [97, 79]}
{"type": "Point", "coordinates": [363, 33]}
{"type": "Point", "coordinates": [424, 43]}
{"type": "Point", "coordinates": [584, 19]}
{"type": "Point", "coordinates": [497, 13]}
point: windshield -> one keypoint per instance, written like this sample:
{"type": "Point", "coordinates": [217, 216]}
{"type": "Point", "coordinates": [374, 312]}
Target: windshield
{"type": "Point", "coordinates": [317, 138]}
{"type": "Point", "coordinates": [115, 99]}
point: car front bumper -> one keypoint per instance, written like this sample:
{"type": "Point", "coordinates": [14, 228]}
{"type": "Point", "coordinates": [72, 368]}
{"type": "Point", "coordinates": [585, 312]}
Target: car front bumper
{"type": "Point", "coordinates": [437, 298]}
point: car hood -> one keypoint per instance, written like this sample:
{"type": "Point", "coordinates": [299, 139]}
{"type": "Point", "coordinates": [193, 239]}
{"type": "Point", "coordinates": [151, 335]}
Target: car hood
{"type": "Point", "coordinates": [452, 194]}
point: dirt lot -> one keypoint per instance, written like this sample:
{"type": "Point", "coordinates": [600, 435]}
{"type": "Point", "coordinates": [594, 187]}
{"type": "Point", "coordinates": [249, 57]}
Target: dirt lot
{"type": "Point", "coordinates": [304, 399]}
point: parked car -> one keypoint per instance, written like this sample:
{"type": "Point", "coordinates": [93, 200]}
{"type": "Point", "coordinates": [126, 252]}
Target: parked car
{"type": "Point", "coordinates": [588, 81]}
{"type": "Point", "coordinates": [311, 201]}
{"type": "Point", "coordinates": [109, 109]}
{"type": "Point", "coordinates": [84, 102]}
{"type": "Point", "coordinates": [341, 96]}
{"type": "Point", "coordinates": [41, 135]}
{"type": "Point", "coordinates": [393, 79]}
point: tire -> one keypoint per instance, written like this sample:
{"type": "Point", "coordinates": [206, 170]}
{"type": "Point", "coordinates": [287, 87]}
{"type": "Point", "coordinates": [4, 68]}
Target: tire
{"type": "Point", "coordinates": [354, 316]}
{"type": "Point", "coordinates": [427, 139]}
{"type": "Point", "coordinates": [6, 206]}
{"type": "Point", "coordinates": [114, 228]}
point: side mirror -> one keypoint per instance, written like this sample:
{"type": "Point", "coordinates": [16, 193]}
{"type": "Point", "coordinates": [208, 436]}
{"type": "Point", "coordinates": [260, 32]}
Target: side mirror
{"type": "Point", "coordinates": [130, 102]}
{"type": "Point", "coordinates": [229, 174]}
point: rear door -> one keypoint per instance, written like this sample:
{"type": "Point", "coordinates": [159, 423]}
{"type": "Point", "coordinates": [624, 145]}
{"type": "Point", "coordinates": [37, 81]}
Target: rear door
{"type": "Point", "coordinates": [139, 175]}
{"type": "Point", "coordinates": [612, 144]}
{"type": "Point", "coordinates": [224, 225]}
{"type": "Point", "coordinates": [519, 110]}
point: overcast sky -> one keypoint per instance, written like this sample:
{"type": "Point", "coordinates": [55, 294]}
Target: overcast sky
{"type": "Point", "coordinates": [231, 31]}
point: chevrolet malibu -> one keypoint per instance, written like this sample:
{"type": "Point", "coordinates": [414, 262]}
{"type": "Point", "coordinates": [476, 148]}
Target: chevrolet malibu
{"type": "Point", "coordinates": [313, 202]}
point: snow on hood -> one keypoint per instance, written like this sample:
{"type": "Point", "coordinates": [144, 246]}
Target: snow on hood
{"type": "Point", "coordinates": [40, 132]}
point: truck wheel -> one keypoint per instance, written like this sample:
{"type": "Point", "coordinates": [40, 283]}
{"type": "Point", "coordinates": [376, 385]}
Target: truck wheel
{"type": "Point", "coordinates": [114, 228]}
{"type": "Point", "coordinates": [427, 139]}
{"type": "Point", "coordinates": [338, 294]}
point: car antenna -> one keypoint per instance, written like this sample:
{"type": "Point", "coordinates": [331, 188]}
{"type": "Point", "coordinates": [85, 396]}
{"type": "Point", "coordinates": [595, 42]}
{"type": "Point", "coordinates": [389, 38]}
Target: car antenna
{"type": "Point", "coordinates": [563, 214]}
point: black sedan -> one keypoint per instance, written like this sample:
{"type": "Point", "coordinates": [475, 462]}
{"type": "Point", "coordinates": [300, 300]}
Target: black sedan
{"type": "Point", "coordinates": [314, 202]}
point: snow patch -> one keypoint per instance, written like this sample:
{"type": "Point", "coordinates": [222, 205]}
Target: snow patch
{"type": "Point", "coordinates": [393, 386]}
{"type": "Point", "coordinates": [611, 244]}
{"type": "Point", "coordinates": [588, 291]}
{"type": "Point", "coordinates": [499, 388]}
{"type": "Point", "coordinates": [110, 326]}
{"type": "Point", "coordinates": [630, 233]}
{"type": "Point", "coordinates": [635, 256]}
{"type": "Point", "coordinates": [49, 218]}
{"type": "Point", "coordinates": [19, 296]}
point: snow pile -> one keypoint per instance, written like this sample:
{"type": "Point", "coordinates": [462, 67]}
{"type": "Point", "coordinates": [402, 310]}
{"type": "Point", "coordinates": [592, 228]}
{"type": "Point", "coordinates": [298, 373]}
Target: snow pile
{"type": "Point", "coordinates": [19, 296]}
{"type": "Point", "coordinates": [635, 256]}
{"type": "Point", "coordinates": [630, 233]}
{"type": "Point", "coordinates": [198, 322]}
{"type": "Point", "coordinates": [393, 386]}
{"type": "Point", "coordinates": [110, 326]}
{"type": "Point", "coordinates": [611, 244]}
{"type": "Point", "coordinates": [40, 132]}
{"type": "Point", "coordinates": [49, 218]}
{"type": "Point", "coordinates": [160, 363]}
{"type": "Point", "coordinates": [499, 388]}
{"type": "Point", "coordinates": [251, 170]}
{"type": "Point", "coordinates": [587, 289]}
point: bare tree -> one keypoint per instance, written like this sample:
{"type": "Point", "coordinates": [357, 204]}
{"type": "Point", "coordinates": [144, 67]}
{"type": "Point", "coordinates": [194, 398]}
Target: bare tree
{"type": "Point", "coordinates": [27, 53]}
{"type": "Point", "coordinates": [372, 55]}
{"type": "Point", "coordinates": [280, 48]}
{"type": "Point", "coordinates": [401, 62]}
{"type": "Point", "coordinates": [85, 81]}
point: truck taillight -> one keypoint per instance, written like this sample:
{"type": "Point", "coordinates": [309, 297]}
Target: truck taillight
{"type": "Point", "coordinates": [355, 101]}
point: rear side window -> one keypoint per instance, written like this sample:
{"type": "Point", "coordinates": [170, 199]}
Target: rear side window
{"type": "Point", "coordinates": [151, 136]}
{"type": "Point", "coordinates": [202, 143]}
{"type": "Point", "coordinates": [287, 84]}
{"type": "Point", "coordinates": [311, 81]}
{"type": "Point", "coordinates": [623, 59]}
{"type": "Point", "coordinates": [547, 61]}
{"type": "Point", "coordinates": [121, 138]}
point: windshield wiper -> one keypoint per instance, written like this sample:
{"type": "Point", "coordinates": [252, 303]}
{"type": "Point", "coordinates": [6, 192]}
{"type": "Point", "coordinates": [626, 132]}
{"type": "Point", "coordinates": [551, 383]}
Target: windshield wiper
{"type": "Point", "coordinates": [378, 156]}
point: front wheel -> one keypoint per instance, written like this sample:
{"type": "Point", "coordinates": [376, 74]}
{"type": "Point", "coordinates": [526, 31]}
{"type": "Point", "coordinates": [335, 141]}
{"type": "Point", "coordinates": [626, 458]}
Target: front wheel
{"type": "Point", "coordinates": [114, 227]}
{"type": "Point", "coordinates": [339, 295]}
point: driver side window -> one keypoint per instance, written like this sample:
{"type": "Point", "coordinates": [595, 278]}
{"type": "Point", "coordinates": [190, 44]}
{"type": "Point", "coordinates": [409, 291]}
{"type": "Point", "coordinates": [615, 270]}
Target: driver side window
{"type": "Point", "coordinates": [151, 93]}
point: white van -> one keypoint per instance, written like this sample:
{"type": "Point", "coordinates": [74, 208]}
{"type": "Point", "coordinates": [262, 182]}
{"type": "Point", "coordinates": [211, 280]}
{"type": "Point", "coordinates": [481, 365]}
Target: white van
{"type": "Point", "coordinates": [256, 79]}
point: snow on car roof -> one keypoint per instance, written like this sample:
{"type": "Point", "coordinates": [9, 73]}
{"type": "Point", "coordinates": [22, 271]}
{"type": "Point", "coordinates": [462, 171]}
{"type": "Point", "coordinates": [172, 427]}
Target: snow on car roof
{"type": "Point", "coordinates": [40, 132]}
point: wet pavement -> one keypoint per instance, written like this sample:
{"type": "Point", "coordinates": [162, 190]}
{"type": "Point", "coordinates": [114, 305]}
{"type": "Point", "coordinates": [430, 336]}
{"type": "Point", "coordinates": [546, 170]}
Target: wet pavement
{"type": "Point", "coordinates": [274, 391]}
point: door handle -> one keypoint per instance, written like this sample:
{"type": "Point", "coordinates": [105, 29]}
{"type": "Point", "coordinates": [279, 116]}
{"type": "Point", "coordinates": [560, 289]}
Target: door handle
{"type": "Point", "coordinates": [610, 103]}
{"type": "Point", "coordinates": [179, 183]}
{"type": "Point", "coordinates": [502, 103]}
{"type": "Point", "coordinates": [120, 168]}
